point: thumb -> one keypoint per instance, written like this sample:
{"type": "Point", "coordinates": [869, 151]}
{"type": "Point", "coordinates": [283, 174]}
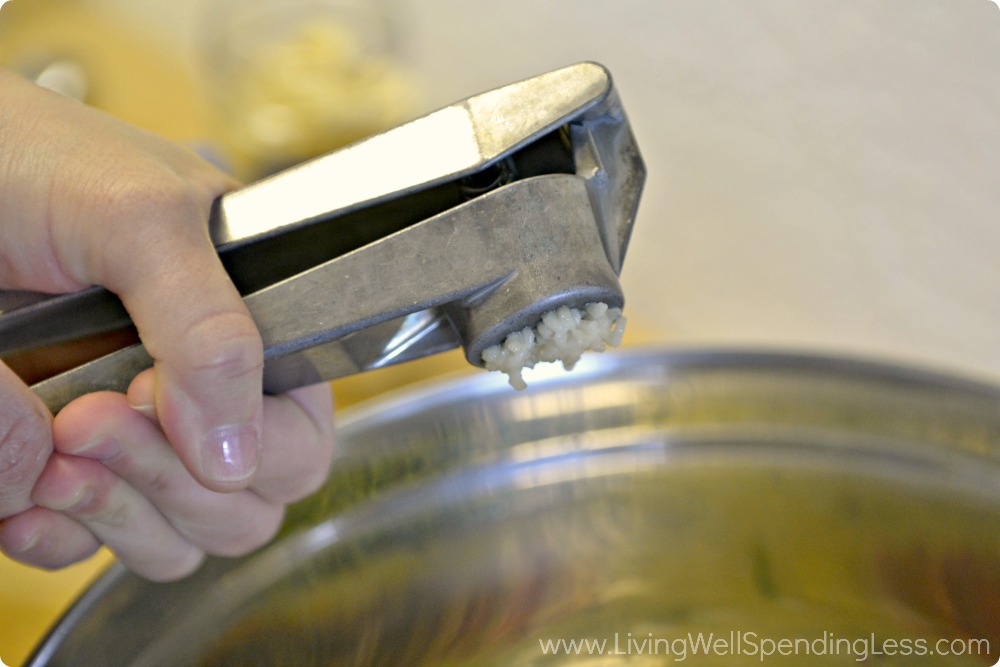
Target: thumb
{"type": "Point", "coordinates": [25, 442]}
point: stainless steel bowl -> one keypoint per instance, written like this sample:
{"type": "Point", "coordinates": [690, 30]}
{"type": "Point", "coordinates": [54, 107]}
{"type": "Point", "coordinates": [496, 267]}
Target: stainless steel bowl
{"type": "Point", "coordinates": [720, 508]}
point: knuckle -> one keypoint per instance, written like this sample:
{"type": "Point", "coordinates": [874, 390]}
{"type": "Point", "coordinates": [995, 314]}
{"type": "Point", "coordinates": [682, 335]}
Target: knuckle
{"type": "Point", "coordinates": [296, 486]}
{"type": "Point", "coordinates": [96, 505]}
{"type": "Point", "coordinates": [151, 480]}
{"type": "Point", "coordinates": [292, 485]}
{"type": "Point", "coordinates": [138, 216]}
{"type": "Point", "coordinates": [225, 346]}
{"type": "Point", "coordinates": [158, 483]}
{"type": "Point", "coordinates": [148, 193]}
{"type": "Point", "coordinates": [25, 446]}
{"type": "Point", "coordinates": [178, 567]}
{"type": "Point", "coordinates": [315, 472]}
{"type": "Point", "coordinates": [252, 535]}
{"type": "Point", "coordinates": [169, 563]}
{"type": "Point", "coordinates": [54, 547]}
{"type": "Point", "coordinates": [311, 481]}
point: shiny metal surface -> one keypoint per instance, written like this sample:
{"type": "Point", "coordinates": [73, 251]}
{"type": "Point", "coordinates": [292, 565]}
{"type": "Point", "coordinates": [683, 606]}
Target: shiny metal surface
{"type": "Point", "coordinates": [647, 494]}
{"type": "Point", "coordinates": [474, 220]}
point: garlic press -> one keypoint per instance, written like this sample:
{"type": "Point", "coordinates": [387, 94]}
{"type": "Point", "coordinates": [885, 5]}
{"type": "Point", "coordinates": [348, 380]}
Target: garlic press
{"type": "Point", "coordinates": [455, 229]}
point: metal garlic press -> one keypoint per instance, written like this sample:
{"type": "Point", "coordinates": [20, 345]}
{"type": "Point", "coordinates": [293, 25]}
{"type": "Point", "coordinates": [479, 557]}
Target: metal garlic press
{"type": "Point", "coordinates": [457, 228]}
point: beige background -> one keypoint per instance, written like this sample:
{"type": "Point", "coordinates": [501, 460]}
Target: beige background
{"type": "Point", "coordinates": [823, 173]}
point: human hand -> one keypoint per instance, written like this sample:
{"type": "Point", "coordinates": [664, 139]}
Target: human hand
{"type": "Point", "coordinates": [193, 460]}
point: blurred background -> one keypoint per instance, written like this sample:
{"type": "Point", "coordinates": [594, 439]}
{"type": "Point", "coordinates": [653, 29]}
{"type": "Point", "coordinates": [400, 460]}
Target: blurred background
{"type": "Point", "coordinates": [823, 174]}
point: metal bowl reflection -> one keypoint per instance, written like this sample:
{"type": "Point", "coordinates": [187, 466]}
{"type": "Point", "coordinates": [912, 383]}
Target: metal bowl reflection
{"type": "Point", "coordinates": [658, 506]}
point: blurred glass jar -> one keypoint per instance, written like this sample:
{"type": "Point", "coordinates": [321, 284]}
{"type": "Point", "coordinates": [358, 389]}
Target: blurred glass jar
{"type": "Point", "coordinates": [294, 79]}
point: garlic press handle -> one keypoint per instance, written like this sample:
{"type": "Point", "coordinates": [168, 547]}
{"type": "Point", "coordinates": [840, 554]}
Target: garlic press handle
{"type": "Point", "coordinates": [432, 263]}
{"type": "Point", "coordinates": [466, 277]}
{"type": "Point", "coordinates": [289, 222]}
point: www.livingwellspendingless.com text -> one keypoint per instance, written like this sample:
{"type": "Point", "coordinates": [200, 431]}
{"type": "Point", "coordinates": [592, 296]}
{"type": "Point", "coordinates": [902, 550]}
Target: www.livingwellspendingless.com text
{"type": "Point", "coordinates": [755, 645]}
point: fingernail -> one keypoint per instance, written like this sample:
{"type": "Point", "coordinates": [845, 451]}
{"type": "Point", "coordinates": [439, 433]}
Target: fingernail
{"type": "Point", "coordinates": [25, 545]}
{"type": "Point", "coordinates": [148, 410]}
{"type": "Point", "coordinates": [78, 500]}
{"type": "Point", "coordinates": [101, 448]}
{"type": "Point", "coordinates": [230, 453]}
